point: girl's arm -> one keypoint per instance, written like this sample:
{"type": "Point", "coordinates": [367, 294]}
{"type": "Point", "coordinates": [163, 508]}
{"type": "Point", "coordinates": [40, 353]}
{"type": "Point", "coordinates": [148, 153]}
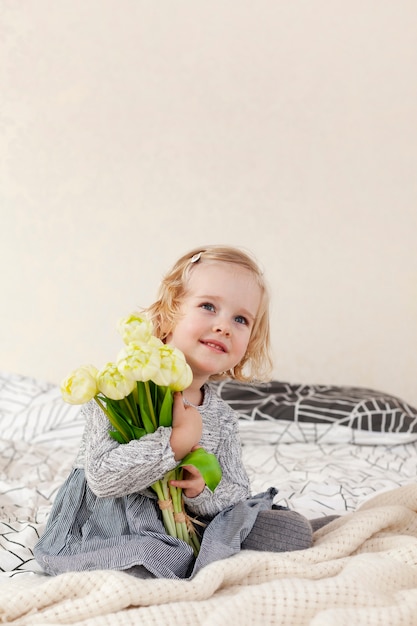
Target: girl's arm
{"type": "Point", "coordinates": [234, 485]}
{"type": "Point", "coordinates": [187, 427]}
{"type": "Point", "coordinates": [114, 469]}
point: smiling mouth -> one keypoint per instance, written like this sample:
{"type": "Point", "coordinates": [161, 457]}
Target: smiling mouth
{"type": "Point", "coordinates": [215, 345]}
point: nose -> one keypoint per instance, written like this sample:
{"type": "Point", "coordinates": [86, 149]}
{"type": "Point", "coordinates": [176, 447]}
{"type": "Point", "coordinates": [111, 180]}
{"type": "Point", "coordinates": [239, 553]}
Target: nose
{"type": "Point", "coordinates": [222, 327]}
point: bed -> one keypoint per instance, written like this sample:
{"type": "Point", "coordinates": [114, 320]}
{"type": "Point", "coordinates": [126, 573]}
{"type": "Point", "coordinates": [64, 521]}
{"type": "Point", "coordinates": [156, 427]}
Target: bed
{"type": "Point", "coordinates": [350, 452]}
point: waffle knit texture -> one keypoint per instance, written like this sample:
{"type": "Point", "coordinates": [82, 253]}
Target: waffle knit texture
{"type": "Point", "coordinates": [361, 570]}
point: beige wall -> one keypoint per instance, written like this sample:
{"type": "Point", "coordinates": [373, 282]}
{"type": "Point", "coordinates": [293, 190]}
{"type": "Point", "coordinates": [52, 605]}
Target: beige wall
{"type": "Point", "coordinates": [134, 130]}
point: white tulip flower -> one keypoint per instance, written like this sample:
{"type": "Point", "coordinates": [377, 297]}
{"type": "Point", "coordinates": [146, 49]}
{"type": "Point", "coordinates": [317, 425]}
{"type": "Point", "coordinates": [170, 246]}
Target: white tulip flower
{"type": "Point", "coordinates": [174, 371]}
{"type": "Point", "coordinates": [80, 385]}
{"type": "Point", "coordinates": [113, 384]}
{"type": "Point", "coordinates": [135, 328]}
{"type": "Point", "coordinates": [184, 379]}
{"type": "Point", "coordinates": [139, 361]}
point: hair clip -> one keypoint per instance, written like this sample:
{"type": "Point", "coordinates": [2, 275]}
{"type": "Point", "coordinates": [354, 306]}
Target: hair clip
{"type": "Point", "coordinates": [195, 257]}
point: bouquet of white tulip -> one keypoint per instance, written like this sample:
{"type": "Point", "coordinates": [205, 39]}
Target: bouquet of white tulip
{"type": "Point", "coordinates": [136, 394]}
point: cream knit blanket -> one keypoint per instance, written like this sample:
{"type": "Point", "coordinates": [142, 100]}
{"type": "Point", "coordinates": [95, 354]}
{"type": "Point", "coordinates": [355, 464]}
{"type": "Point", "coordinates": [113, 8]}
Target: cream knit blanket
{"type": "Point", "coordinates": [361, 570]}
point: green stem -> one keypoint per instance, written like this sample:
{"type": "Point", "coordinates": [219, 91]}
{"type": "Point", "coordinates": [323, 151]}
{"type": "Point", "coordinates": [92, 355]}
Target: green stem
{"type": "Point", "coordinates": [175, 492]}
{"type": "Point", "coordinates": [150, 403]}
{"type": "Point", "coordinates": [131, 411]}
{"type": "Point", "coordinates": [183, 532]}
{"type": "Point", "coordinates": [195, 543]}
{"type": "Point", "coordinates": [167, 515]}
{"type": "Point", "coordinates": [134, 394]}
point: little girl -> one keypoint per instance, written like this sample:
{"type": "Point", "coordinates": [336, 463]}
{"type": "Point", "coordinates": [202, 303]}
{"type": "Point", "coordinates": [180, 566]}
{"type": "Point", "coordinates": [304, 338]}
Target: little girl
{"type": "Point", "coordinates": [213, 306]}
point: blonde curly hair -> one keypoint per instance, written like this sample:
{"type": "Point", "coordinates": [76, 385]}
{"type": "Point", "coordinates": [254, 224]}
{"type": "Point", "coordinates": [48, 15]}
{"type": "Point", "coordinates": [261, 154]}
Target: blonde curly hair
{"type": "Point", "coordinates": [257, 362]}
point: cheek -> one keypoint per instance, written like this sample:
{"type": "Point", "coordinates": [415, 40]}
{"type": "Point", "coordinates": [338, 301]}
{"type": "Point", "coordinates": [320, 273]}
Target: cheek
{"type": "Point", "coordinates": [243, 344]}
{"type": "Point", "coordinates": [180, 335]}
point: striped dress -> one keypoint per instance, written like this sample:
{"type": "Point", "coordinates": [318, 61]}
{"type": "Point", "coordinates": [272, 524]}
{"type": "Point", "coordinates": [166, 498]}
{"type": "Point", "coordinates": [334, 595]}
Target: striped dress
{"type": "Point", "coordinates": [105, 515]}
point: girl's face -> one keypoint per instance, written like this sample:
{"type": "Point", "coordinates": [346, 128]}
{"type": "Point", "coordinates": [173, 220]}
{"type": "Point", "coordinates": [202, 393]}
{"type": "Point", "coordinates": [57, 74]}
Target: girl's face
{"type": "Point", "coordinates": [216, 318]}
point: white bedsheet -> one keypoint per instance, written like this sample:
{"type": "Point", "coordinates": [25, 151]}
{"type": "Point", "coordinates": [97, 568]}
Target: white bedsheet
{"type": "Point", "coordinates": [316, 472]}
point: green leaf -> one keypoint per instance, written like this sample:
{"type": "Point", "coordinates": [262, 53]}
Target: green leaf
{"type": "Point", "coordinates": [165, 412]}
{"type": "Point", "coordinates": [133, 409]}
{"type": "Point", "coordinates": [117, 436]}
{"type": "Point", "coordinates": [123, 424]}
{"type": "Point", "coordinates": [115, 408]}
{"type": "Point", "coordinates": [207, 464]}
{"type": "Point", "coordinates": [160, 395]}
{"type": "Point", "coordinates": [116, 418]}
{"type": "Point", "coordinates": [138, 432]}
{"type": "Point", "coordinates": [154, 392]}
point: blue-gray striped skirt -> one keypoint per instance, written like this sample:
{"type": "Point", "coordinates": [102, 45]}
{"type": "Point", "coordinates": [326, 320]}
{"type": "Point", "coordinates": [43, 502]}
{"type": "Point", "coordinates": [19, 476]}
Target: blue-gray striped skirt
{"type": "Point", "coordinates": [88, 533]}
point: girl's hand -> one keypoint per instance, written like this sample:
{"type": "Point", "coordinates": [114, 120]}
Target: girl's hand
{"type": "Point", "coordinates": [192, 482]}
{"type": "Point", "coordinates": [187, 428]}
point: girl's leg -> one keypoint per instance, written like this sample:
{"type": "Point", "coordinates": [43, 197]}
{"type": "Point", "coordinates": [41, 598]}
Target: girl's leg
{"type": "Point", "coordinates": [319, 522]}
{"type": "Point", "coordinates": [279, 531]}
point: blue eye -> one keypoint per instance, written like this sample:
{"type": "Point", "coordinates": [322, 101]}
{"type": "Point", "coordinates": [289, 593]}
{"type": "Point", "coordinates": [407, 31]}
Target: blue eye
{"type": "Point", "coordinates": [240, 319]}
{"type": "Point", "coordinates": [208, 306]}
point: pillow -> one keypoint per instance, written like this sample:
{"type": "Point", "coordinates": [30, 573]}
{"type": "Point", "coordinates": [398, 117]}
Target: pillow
{"type": "Point", "coordinates": [355, 407]}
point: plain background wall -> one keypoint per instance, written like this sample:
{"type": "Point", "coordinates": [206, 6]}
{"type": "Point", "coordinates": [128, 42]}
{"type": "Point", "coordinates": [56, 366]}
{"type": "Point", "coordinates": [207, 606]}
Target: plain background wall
{"type": "Point", "coordinates": [134, 130]}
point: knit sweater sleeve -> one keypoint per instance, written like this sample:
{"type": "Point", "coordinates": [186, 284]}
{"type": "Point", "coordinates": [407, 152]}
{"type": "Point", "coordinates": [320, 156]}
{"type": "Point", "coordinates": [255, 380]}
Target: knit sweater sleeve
{"type": "Point", "coordinates": [114, 469]}
{"type": "Point", "coordinates": [221, 437]}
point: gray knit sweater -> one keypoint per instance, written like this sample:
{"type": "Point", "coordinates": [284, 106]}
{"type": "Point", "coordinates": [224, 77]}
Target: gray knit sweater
{"type": "Point", "coordinates": [114, 469]}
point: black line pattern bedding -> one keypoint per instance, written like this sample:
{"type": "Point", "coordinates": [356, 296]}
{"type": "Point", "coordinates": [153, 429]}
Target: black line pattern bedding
{"type": "Point", "coordinates": [323, 459]}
